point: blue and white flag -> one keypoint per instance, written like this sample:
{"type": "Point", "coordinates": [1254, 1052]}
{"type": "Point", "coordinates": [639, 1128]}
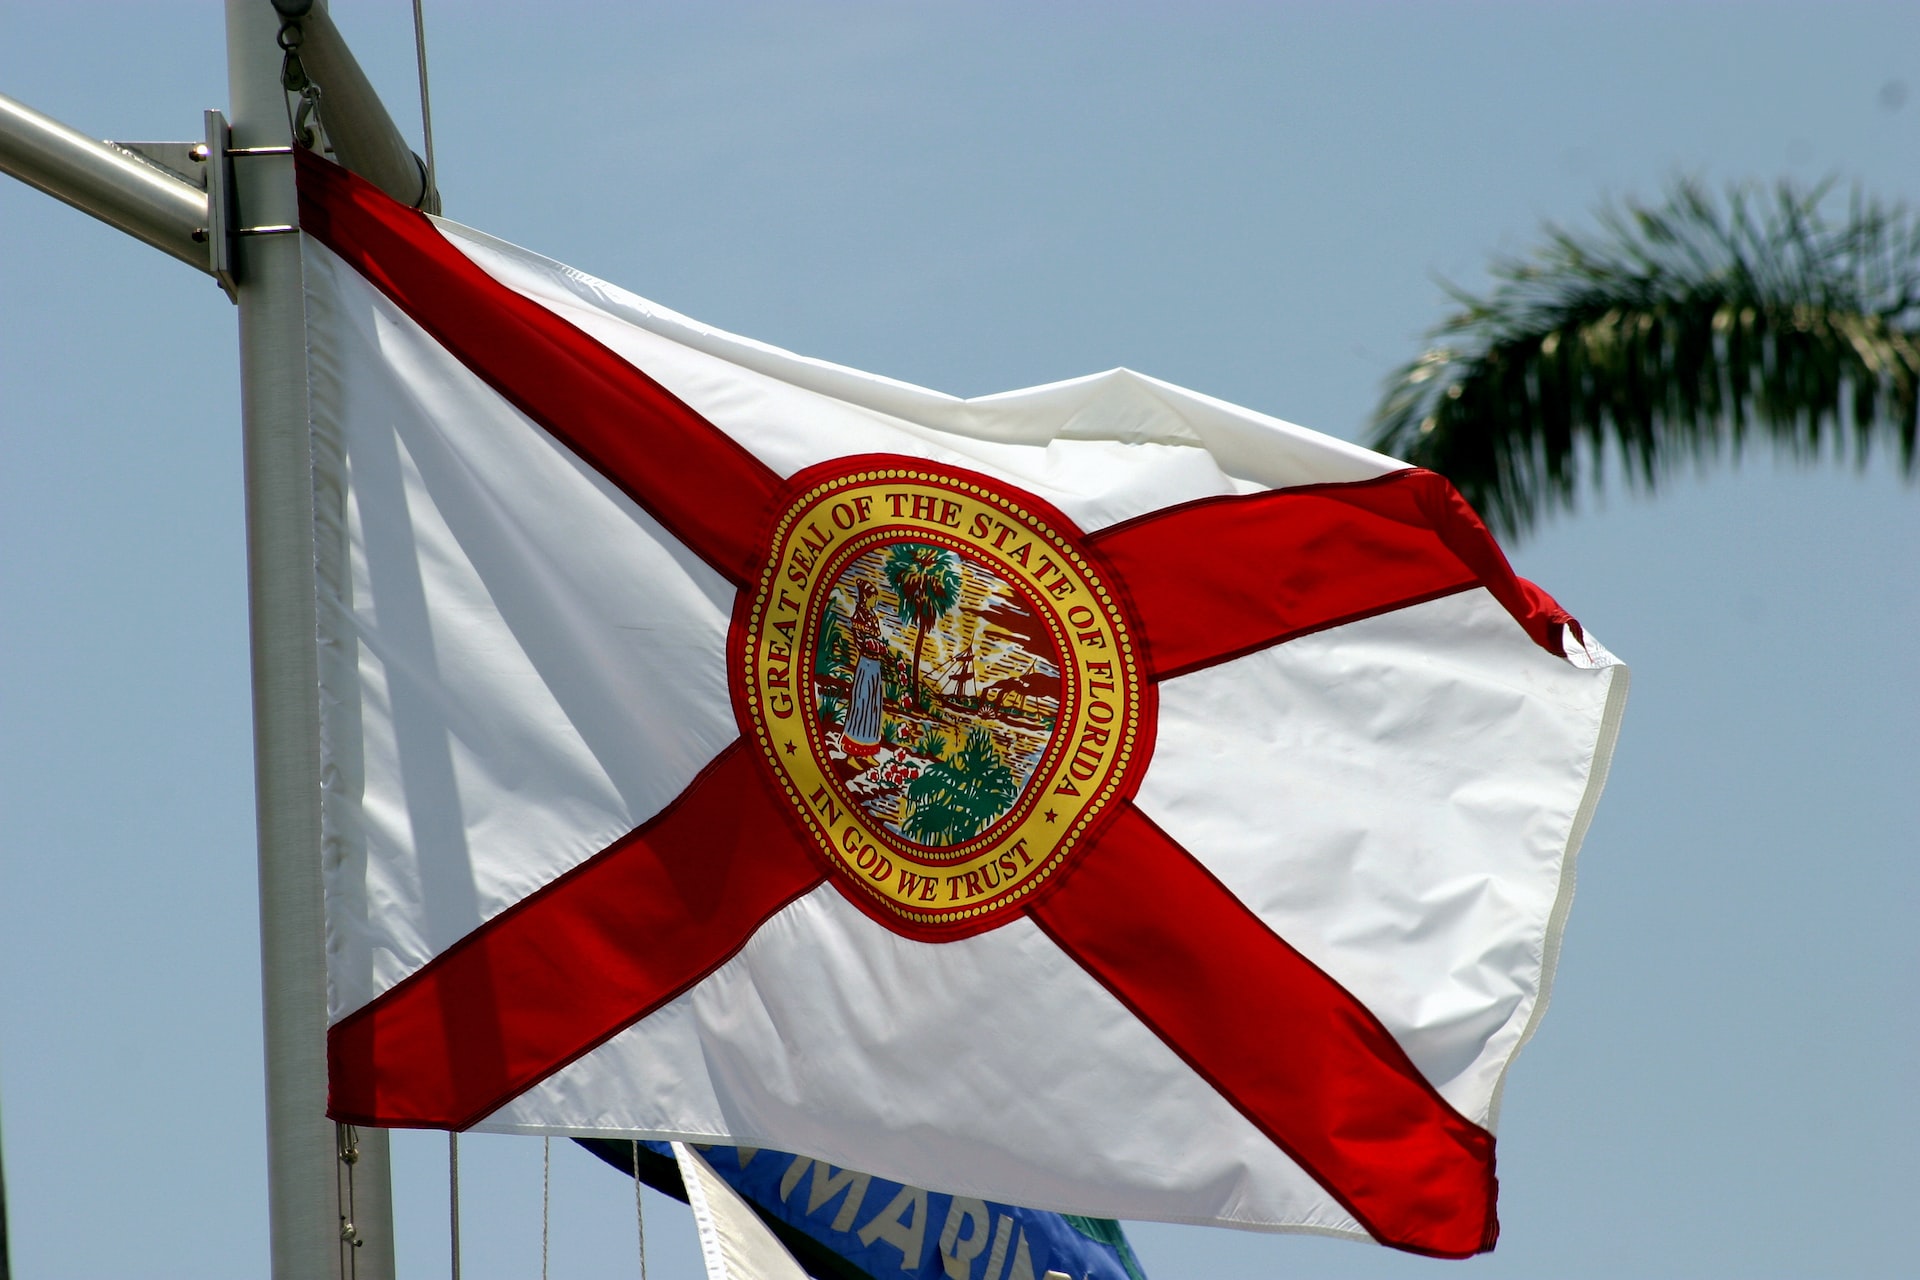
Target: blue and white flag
{"type": "Point", "coordinates": [882, 1228]}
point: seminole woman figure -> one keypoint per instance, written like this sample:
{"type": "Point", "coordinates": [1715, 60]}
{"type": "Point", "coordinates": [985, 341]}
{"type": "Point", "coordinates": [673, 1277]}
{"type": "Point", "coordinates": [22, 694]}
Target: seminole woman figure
{"type": "Point", "coordinates": [861, 736]}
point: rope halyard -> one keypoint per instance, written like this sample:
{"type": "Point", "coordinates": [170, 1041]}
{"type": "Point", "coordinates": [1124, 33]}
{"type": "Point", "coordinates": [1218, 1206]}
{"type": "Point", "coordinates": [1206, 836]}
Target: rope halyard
{"type": "Point", "coordinates": [347, 1146]}
{"type": "Point", "coordinates": [639, 1210]}
{"type": "Point", "coordinates": [453, 1198]}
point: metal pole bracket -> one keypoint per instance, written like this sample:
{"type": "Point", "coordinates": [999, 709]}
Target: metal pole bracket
{"type": "Point", "coordinates": [217, 162]}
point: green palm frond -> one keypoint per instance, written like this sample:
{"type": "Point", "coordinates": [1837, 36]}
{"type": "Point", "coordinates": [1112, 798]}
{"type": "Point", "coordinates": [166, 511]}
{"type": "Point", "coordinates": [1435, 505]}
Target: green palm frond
{"type": "Point", "coordinates": [1669, 336]}
{"type": "Point", "coordinates": [955, 800]}
{"type": "Point", "coordinates": [925, 578]}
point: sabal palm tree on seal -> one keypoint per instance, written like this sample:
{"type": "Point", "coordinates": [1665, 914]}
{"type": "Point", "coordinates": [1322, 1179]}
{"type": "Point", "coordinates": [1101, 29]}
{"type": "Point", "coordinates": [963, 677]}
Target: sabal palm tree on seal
{"type": "Point", "coordinates": [926, 580]}
{"type": "Point", "coordinates": [1673, 334]}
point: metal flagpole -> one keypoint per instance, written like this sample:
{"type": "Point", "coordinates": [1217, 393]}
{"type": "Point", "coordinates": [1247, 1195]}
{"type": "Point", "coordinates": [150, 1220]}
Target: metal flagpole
{"type": "Point", "coordinates": [222, 207]}
{"type": "Point", "coordinates": [307, 1215]}
{"type": "Point", "coordinates": [110, 182]}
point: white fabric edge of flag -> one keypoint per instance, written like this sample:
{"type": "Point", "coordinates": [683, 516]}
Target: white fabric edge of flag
{"type": "Point", "coordinates": [1223, 435]}
{"type": "Point", "coordinates": [1619, 680]}
{"type": "Point", "coordinates": [735, 1244]}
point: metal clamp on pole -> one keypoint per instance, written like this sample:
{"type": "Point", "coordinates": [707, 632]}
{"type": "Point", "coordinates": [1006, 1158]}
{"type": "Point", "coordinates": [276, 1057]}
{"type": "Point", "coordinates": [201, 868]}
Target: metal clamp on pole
{"type": "Point", "coordinates": [178, 196]}
{"type": "Point", "coordinates": [220, 205]}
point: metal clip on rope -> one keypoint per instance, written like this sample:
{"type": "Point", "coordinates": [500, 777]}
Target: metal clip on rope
{"type": "Point", "coordinates": [302, 124]}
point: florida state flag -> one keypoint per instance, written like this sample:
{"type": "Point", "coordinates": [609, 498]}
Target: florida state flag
{"type": "Point", "coordinates": [1096, 797]}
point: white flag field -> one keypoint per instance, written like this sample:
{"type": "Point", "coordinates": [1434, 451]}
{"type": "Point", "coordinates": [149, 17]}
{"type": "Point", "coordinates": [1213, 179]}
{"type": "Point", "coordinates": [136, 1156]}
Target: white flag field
{"type": "Point", "coordinates": [1096, 797]}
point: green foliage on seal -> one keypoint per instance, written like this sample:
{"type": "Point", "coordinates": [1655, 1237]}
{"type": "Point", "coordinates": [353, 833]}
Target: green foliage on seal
{"type": "Point", "coordinates": [833, 650]}
{"type": "Point", "coordinates": [955, 800]}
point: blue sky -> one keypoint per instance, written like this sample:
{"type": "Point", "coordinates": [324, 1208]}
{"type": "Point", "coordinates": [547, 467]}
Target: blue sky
{"type": "Point", "coordinates": [1252, 200]}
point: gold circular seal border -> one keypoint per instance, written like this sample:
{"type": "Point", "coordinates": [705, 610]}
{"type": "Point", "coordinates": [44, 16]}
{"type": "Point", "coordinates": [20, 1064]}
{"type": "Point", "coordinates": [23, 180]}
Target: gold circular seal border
{"type": "Point", "coordinates": [1088, 757]}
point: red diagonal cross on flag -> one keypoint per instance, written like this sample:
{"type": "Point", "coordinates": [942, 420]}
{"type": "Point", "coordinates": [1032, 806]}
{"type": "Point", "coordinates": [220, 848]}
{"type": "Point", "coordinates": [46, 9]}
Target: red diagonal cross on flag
{"type": "Point", "coordinates": [626, 931]}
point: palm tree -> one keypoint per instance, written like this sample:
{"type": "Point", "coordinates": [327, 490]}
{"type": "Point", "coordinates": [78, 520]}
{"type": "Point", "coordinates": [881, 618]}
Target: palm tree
{"type": "Point", "coordinates": [926, 581]}
{"type": "Point", "coordinates": [1670, 335]}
